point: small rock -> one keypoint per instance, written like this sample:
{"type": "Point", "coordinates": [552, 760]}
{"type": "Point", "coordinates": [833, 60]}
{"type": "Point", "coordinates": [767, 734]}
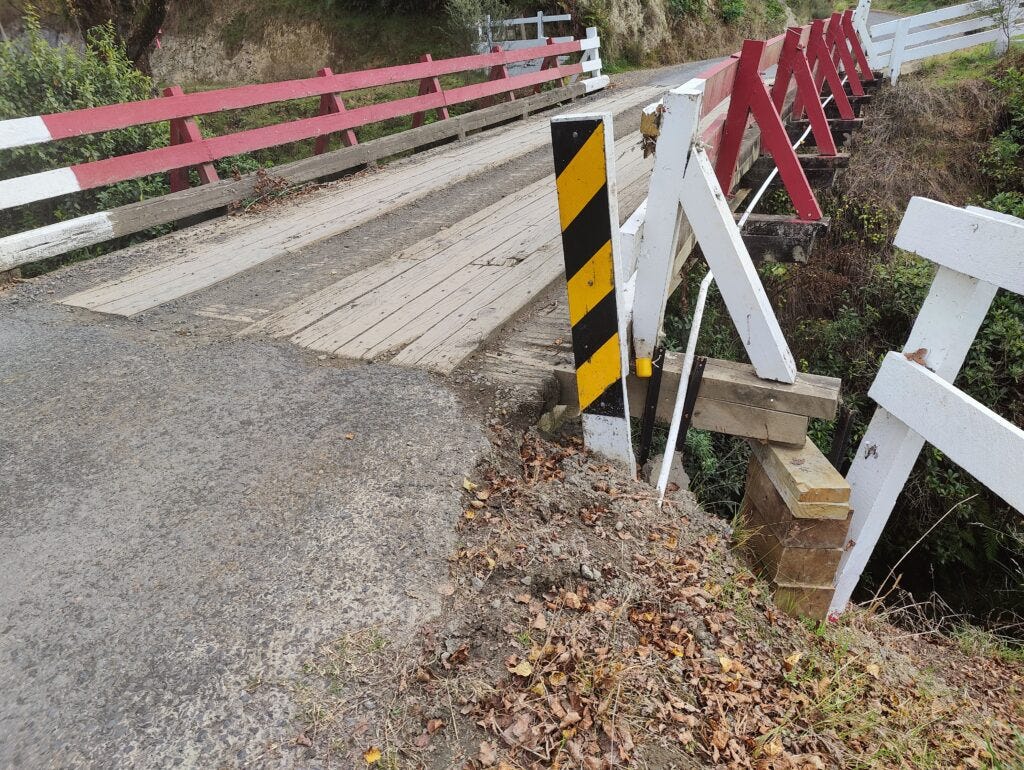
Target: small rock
{"type": "Point", "coordinates": [555, 549]}
{"type": "Point", "coordinates": [590, 573]}
{"type": "Point", "coordinates": [496, 604]}
{"type": "Point", "coordinates": [551, 422]}
{"type": "Point", "coordinates": [618, 526]}
{"type": "Point", "coordinates": [477, 583]}
{"type": "Point", "coordinates": [677, 474]}
{"type": "Point", "coordinates": [526, 581]}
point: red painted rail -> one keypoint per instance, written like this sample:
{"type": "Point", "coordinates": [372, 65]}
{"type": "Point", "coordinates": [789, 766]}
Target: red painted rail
{"type": "Point", "coordinates": [735, 94]}
{"type": "Point", "coordinates": [189, 149]}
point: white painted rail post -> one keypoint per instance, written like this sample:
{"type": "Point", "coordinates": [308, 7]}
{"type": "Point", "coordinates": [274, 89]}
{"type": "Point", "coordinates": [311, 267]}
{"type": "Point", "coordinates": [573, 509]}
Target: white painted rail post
{"type": "Point", "coordinates": [977, 251]}
{"type": "Point", "coordinates": [899, 43]}
{"type": "Point", "coordinates": [684, 183]}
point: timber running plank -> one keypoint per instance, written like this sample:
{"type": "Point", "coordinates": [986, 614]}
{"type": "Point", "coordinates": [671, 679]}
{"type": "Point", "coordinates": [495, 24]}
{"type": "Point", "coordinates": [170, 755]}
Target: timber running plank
{"type": "Point", "coordinates": [210, 254]}
{"type": "Point", "coordinates": [432, 305]}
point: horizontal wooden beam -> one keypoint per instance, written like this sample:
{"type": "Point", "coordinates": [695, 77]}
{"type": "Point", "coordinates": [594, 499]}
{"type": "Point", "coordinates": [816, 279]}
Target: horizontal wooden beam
{"type": "Point", "coordinates": [807, 482]}
{"type": "Point", "coordinates": [781, 238]}
{"type": "Point", "coordinates": [983, 245]}
{"type": "Point", "coordinates": [977, 439]}
{"type": "Point", "coordinates": [733, 400]}
{"type": "Point", "coordinates": [839, 128]}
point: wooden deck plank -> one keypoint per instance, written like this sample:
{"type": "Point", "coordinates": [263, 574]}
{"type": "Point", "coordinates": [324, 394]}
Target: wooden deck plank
{"type": "Point", "coordinates": [303, 314]}
{"type": "Point", "coordinates": [316, 218]}
{"type": "Point", "coordinates": [412, 319]}
{"type": "Point", "coordinates": [486, 307]}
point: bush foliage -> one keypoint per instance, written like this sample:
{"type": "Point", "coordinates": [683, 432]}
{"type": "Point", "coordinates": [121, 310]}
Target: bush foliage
{"type": "Point", "coordinates": [40, 78]}
{"type": "Point", "coordinates": [857, 299]}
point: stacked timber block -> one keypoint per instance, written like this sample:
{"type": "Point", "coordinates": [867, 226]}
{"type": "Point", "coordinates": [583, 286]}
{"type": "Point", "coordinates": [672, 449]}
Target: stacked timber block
{"type": "Point", "coordinates": [793, 524]}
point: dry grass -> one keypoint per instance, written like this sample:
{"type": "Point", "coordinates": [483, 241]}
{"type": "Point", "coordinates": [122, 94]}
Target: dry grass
{"type": "Point", "coordinates": [921, 139]}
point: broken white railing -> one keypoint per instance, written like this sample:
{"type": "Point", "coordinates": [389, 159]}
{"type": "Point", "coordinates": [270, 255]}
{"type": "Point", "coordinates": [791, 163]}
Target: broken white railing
{"type": "Point", "coordinates": [893, 44]}
{"type": "Point", "coordinates": [524, 32]}
{"type": "Point", "coordinates": [978, 251]}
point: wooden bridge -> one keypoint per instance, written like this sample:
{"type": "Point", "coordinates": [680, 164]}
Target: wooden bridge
{"type": "Point", "coordinates": [429, 303]}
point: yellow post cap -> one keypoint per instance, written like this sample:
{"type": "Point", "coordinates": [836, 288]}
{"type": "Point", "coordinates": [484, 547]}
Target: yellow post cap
{"type": "Point", "coordinates": [644, 368]}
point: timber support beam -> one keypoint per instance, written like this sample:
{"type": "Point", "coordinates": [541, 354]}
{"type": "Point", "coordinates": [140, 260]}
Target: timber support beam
{"type": "Point", "coordinates": [781, 238]}
{"type": "Point", "coordinates": [732, 399]}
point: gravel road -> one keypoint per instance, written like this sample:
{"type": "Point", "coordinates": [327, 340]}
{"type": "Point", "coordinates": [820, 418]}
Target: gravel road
{"type": "Point", "coordinates": [186, 515]}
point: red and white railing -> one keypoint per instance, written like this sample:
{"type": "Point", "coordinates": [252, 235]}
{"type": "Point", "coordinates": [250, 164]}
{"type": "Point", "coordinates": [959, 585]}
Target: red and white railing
{"type": "Point", "coordinates": [734, 93]}
{"type": "Point", "coordinates": [189, 149]}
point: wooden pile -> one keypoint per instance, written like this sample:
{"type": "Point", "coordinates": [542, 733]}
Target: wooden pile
{"type": "Point", "coordinates": [793, 524]}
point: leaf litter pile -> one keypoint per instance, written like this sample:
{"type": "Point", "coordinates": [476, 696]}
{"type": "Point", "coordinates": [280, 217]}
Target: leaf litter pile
{"type": "Point", "coordinates": [585, 628]}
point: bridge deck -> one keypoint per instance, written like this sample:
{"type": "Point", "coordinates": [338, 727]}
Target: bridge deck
{"type": "Point", "coordinates": [204, 256]}
{"type": "Point", "coordinates": [433, 304]}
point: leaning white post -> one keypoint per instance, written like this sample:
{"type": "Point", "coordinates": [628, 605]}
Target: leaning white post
{"type": "Point", "coordinates": [899, 42]}
{"type": "Point", "coordinates": [991, 247]}
{"type": "Point", "coordinates": [540, 25]}
{"type": "Point", "coordinates": [684, 183]}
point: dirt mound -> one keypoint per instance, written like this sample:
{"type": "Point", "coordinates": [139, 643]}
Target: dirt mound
{"type": "Point", "coordinates": [587, 629]}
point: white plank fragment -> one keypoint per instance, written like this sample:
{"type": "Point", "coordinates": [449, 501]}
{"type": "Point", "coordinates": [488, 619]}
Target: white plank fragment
{"type": "Point", "coordinates": [21, 132]}
{"type": "Point", "coordinates": [37, 187]}
{"type": "Point", "coordinates": [969, 242]}
{"type": "Point", "coordinates": [977, 439]}
{"type": "Point", "coordinates": [32, 245]}
{"type": "Point", "coordinates": [949, 320]}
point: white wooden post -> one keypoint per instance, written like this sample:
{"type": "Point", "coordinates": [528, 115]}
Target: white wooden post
{"type": "Point", "coordinates": [991, 248]}
{"type": "Point", "coordinates": [860, 23]}
{"type": "Point", "coordinates": [540, 25]}
{"type": "Point", "coordinates": [899, 42]}
{"type": "Point", "coordinates": [593, 54]}
{"type": "Point", "coordinates": [684, 183]}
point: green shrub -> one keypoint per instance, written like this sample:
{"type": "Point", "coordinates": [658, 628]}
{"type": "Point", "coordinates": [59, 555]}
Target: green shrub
{"type": "Point", "coordinates": [39, 78]}
{"type": "Point", "coordinates": [680, 9]}
{"type": "Point", "coordinates": [732, 10]}
{"type": "Point", "coordinates": [1011, 203]}
{"type": "Point", "coordinates": [774, 10]}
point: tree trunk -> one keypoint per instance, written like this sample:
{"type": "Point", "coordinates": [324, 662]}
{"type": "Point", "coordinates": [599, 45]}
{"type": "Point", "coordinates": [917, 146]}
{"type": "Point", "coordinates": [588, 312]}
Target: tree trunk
{"type": "Point", "coordinates": [136, 23]}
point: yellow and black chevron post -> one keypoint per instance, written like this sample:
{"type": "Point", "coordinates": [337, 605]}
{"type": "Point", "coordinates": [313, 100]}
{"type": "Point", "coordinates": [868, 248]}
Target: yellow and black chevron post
{"type": "Point", "coordinates": [584, 172]}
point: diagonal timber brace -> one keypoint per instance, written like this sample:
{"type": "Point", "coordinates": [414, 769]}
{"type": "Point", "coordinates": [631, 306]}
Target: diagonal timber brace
{"type": "Point", "coordinates": [750, 96]}
{"type": "Point", "coordinates": [684, 184]}
{"type": "Point", "coordinates": [793, 65]}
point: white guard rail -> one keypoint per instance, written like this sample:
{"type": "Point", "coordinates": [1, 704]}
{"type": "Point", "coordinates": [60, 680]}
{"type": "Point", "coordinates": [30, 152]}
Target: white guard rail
{"type": "Point", "coordinates": [893, 44]}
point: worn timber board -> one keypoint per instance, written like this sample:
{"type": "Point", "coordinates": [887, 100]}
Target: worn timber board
{"type": "Point", "coordinates": [436, 301]}
{"type": "Point", "coordinates": [211, 253]}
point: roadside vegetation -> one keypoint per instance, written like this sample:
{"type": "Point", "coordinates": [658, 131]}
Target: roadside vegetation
{"type": "Point", "coordinates": [953, 132]}
{"type": "Point", "coordinates": [584, 627]}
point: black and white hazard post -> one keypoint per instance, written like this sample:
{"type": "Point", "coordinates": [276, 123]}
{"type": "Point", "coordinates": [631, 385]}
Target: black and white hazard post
{"type": "Point", "coordinates": [587, 206]}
